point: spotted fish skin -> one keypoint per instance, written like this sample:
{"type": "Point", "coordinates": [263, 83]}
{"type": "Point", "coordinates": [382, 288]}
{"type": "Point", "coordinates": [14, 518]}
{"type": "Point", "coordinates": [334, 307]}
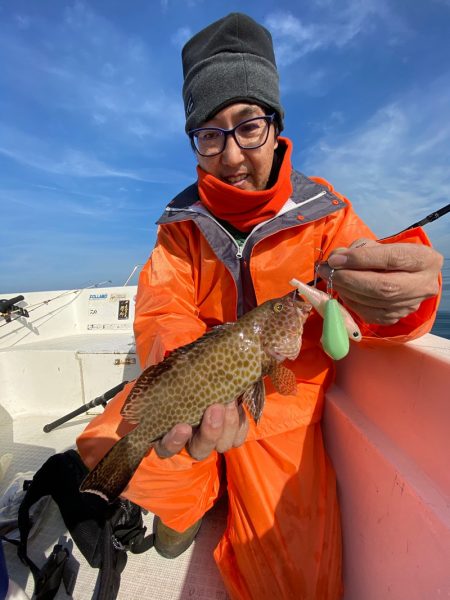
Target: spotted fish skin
{"type": "Point", "coordinates": [223, 365]}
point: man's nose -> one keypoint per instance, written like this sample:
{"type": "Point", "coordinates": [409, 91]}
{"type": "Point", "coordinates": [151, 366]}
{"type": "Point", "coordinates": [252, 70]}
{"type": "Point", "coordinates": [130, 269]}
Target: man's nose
{"type": "Point", "coordinates": [232, 153]}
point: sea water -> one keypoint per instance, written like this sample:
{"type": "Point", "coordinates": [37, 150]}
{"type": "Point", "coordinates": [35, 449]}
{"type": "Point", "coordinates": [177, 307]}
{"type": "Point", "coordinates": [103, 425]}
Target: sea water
{"type": "Point", "coordinates": [441, 326]}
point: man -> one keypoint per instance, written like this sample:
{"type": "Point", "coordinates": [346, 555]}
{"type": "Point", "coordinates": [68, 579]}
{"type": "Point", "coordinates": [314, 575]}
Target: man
{"type": "Point", "coordinates": [226, 244]}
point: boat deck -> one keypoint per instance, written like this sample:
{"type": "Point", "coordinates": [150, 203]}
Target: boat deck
{"type": "Point", "coordinates": [148, 575]}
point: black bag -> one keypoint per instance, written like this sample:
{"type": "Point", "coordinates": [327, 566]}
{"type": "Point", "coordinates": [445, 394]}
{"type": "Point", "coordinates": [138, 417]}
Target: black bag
{"type": "Point", "coordinates": [103, 532]}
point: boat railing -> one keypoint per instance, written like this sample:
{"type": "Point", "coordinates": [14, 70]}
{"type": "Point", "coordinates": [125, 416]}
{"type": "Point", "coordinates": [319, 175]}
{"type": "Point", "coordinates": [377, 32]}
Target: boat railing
{"type": "Point", "coordinates": [135, 268]}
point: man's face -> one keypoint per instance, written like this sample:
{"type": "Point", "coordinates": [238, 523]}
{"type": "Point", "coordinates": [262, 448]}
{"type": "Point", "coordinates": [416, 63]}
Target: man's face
{"type": "Point", "coordinates": [244, 169]}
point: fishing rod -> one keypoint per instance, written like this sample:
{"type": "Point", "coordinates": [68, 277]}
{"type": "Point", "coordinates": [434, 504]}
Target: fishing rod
{"type": "Point", "coordinates": [9, 308]}
{"type": "Point", "coordinates": [103, 400]}
{"type": "Point", "coordinates": [10, 312]}
{"type": "Point", "coordinates": [429, 218]}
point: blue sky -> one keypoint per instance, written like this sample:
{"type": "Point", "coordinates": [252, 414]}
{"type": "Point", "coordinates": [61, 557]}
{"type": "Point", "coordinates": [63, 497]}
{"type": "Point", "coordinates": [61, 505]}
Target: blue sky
{"type": "Point", "coordinates": [92, 142]}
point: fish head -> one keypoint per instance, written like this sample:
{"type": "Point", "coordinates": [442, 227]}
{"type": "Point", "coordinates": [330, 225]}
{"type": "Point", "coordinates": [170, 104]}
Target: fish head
{"type": "Point", "coordinates": [283, 327]}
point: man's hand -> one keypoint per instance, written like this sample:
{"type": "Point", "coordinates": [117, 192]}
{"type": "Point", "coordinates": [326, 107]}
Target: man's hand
{"type": "Point", "coordinates": [222, 428]}
{"type": "Point", "coordinates": [383, 283]}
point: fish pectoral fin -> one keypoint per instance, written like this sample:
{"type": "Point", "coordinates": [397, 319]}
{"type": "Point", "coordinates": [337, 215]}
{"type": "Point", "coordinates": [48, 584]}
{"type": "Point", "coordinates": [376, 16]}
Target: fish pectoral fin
{"type": "Point", "coordinates": [254, 398]}
{"type": "Point", "coordinates": [283, 379]}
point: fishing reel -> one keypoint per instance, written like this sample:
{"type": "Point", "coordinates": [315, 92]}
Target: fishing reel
{"type": "Point", "coordinates": [9, 310]}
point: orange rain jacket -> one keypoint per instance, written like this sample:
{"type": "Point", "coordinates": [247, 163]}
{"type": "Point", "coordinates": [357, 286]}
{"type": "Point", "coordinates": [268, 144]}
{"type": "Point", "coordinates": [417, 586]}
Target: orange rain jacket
{"type": "Point", "coordinates": [283, 533]}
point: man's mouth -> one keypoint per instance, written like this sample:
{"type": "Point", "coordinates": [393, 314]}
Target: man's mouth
{"type": "Point", "coordinates": [236, 179]}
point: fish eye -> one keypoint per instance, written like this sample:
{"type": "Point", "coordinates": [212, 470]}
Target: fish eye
{"type": "Point", "coordinates": [278, 307]}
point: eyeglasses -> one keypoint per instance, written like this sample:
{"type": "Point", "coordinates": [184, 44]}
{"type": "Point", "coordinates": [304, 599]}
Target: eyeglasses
{"type": "Point", "coordinates": [249, 134]}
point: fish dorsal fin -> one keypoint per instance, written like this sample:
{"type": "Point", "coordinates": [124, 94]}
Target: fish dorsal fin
{"type": "Point", "coordinates": [208, 335]}
{"type": "Point", "coordinates": [254, 398]}
{"type": "Point", "coordinates": [283, 379]}
{"type": "Point", "coordinates": [135, 405]}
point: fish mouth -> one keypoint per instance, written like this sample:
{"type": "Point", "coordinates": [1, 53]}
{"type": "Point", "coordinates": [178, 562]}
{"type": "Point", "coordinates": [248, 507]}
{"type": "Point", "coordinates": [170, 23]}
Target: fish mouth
{"type": "Point", "coordinates": [276, 355]}
{"type": "Point", "coordinates": [303, 308]}
{"type": "Point", "coordinates": [282, 357]}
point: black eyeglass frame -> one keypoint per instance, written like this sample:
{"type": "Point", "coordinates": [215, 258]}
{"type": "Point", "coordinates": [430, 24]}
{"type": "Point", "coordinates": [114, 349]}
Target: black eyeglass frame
{"type": "Point", "coordinates": [226, 132]}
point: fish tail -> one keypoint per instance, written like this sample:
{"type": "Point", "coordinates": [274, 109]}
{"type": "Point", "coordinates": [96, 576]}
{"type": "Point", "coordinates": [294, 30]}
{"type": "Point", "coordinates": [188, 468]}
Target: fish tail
{"type": "Point", "coordinates": [111, 475]}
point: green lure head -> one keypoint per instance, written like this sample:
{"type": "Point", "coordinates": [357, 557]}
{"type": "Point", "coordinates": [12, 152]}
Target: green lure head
{"type": "Point", "coordinates": [334, 338]}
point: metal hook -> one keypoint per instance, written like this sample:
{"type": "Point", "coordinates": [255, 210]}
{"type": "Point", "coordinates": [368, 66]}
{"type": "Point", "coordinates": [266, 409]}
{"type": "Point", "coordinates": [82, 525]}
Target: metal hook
{"type": "Point", "coordinates": [317, 265]}
{"type": "Point", "coordinates": [330, 282]}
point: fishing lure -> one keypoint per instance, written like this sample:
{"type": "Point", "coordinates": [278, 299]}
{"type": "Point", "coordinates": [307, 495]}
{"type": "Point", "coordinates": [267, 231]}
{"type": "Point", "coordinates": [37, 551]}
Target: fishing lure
{"type": "Point", "coordinates": [338, 324]}
{"type": "Point", "coordinates": [334, 340]}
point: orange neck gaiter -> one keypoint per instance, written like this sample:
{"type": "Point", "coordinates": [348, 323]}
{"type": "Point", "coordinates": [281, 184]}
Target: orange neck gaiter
{"type": "Point", "coordinates": [241, 208]}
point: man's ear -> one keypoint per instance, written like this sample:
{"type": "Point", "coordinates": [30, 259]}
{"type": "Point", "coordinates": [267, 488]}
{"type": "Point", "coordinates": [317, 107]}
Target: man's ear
{"type": "Point", "coordinates": [276, 134]}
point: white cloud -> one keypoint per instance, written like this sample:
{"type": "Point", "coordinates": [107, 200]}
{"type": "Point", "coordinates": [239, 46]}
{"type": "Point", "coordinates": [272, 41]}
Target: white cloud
{"type": "Point", "coordinates": [337, 25]}
{"type": "Point", "coordinates": [67, 161]}
{"type": "Point", "coordinates": [71, 162]}
{"type": "Point", "coordinates": [92, 71]}
{"type": "Point", "coordinates": [395, 167]}
{"type": "Point", "coordinates": [292, 39]}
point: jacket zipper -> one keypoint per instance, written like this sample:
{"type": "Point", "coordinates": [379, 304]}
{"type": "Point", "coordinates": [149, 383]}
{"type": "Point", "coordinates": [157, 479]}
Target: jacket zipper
{"type": "Point", "coordinates": [282, 212]}
{"type": "Point", "coordinates": [240, 247]}
{"type": "Point", "coordinates": [244, 263]}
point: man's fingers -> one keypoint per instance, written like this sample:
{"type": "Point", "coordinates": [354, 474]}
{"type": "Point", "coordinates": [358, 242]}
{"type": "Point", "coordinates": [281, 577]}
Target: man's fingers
{"type": "Point", "coordinates": [386, 287]}
{"type": "Point", "coordinates": [242, 432]}
{"type": "Point", "coordinates": [384, 257]}
{"type": "Point", "coordinates": [222, 428]}
{"type": "Point", "coordinates": [173, 441]}
{"type": "Point", "coordinates": [347, 297]}
{"type": "Point", "coordinates": [359, 243]}
{"type": "Point", "coordinates": [325, 268]}
{"type": "Point", "coordinates": [235, 428]}
{"type": "Point", "coordinates": [382, 283]}
{"type": "Point", "coordinates": [205, 439]}
{"type": "Point", "coordinates": [381, 315]}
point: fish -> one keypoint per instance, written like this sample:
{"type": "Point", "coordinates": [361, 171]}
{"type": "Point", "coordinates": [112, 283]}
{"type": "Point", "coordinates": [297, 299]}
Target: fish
{"type": "Point", "coordinates": [318, 299]}
{"type": "Point", "coordinates": [226, 364]}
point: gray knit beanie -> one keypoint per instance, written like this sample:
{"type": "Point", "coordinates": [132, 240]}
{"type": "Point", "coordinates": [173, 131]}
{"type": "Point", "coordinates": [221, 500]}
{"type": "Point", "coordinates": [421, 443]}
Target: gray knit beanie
{"type": "Point", "coordinates": [231, 60]}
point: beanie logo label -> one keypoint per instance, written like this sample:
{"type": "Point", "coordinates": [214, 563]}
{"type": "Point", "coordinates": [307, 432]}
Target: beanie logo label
{"type": "Point", "coordinates": [189, 105]}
